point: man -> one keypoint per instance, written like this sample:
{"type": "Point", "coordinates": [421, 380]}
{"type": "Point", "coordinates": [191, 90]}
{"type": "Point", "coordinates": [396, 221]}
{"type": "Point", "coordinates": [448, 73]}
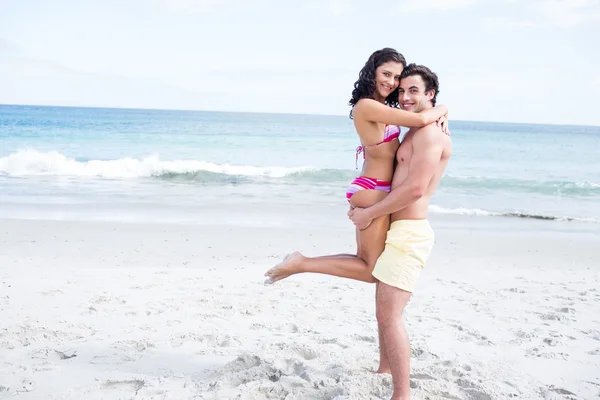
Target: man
{"type": "Point", "coordinates": [421, 161]}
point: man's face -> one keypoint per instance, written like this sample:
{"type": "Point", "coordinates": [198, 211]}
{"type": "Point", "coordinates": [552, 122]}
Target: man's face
{"type": "Point", "coordinates": [412, 95]}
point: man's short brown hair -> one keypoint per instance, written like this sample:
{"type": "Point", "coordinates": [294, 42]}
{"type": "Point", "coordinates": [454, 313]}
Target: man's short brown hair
{"type": "Point", "coordinates": [430, 79]}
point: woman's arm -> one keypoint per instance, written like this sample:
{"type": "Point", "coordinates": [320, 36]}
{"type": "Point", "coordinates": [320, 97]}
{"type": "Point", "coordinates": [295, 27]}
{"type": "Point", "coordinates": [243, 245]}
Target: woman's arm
{"type": "Point", "coordinates": [374, 111]}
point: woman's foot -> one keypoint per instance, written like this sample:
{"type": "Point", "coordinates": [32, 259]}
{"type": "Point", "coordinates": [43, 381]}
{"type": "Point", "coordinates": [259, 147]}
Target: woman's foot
{"type": "Point", "coordinates": [289, 266]}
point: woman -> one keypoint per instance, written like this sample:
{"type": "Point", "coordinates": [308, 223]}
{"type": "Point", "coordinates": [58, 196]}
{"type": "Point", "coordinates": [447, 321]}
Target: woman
{"type": "Point", "coordinates": [376, 119]}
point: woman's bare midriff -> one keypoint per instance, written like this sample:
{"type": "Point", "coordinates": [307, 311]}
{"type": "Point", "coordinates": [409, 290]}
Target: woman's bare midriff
{"type": "Point", "coordinates": [379, 164]}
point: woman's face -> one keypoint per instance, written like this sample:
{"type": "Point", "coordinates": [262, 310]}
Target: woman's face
{"type": "Point", "coordinates": [387, 79]}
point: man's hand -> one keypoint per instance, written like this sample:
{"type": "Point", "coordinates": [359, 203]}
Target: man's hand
{"type": "Point", "coordinates": [360, 217]}
{"type": "Point", "coordinates": [442, 122]}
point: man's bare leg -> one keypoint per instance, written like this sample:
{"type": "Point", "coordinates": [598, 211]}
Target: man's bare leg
{"type": "Point", "coordinates": [384, 363]}
{"type": "Point", "coordinates": [390, 307]}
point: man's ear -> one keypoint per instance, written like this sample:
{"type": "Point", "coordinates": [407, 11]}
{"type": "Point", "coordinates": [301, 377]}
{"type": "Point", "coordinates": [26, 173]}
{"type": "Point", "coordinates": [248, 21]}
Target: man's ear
{"type": "Point", "coordinates": [430, 94]}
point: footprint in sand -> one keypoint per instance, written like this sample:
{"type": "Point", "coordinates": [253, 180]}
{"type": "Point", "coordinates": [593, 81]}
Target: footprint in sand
{"type": "Point", "coordinates": [290, 367]}
{"type": "Point", "coordinates": [468, 335]}
{"type": "Point", "coordinates": [421, 354]}
{"type": "Point", "coordinates": [249, 368]}
{"type": "Point", "coordinates": [26, 386]}
{"type": "Point", "coordinates": [524, 335]}
{"type": "Point", "coordinates": [131, 385]}
{"type": "Point", "coordinates": [472, 390]}
{"type": "Point", "coordinates": [334, 341]}
{"type": "Point", "coordinates": [369, 339]}
{"type": "Point", "coordinates": [306, 352]}
{"type": "Point", "coordinates": [566, 310]}
{"type": "Point", "coordinates": [473, 394]}
{"type": "Point", "coordinates": [552, 342]}
{"type": "Point", "coordinates": [552, 316]}
{"type": "Point", "coordinates": [5, 344]}
{"type": "Point", "coordinates": [422, 376]}
{"type": "Point", "coordinates": [102, 299]}
{"type": "Point", "coordinates": [563, 391]}
{"type": "Point", "coordinates": [52, 355]}
{"type": "Point", "coordinates": [125, 351]}
{"type": "Point", "coordinates": [291, 328]}
{"type": "Point", "coordinates": [52, 292]}
{"type": "Point", "coordinates": [111, 359]}
{"type": "Point", "coordinates": [210, 340]}
{"type": "Point", "coordinates": [593, 334]}
{"type": "Point", "coordinates": [466, 384]}
{"type": "Point", "coordinates": [539, 353]}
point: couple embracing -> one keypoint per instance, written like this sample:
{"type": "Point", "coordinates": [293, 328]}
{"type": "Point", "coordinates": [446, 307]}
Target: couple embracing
{"type": "Point", "coordinates": [390, 198]}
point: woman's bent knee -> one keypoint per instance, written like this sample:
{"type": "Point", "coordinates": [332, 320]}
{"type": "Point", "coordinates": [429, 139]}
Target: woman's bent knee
{"type": "Point", "coordinates": [370, 266]}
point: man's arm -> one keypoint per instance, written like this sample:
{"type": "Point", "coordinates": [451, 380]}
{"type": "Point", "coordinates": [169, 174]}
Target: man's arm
{"type": "Point", "coordinates": [427, 152]}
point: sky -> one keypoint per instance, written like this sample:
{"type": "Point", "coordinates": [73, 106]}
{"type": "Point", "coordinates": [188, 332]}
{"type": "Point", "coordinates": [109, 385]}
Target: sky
{"type": "Point", "coordinates": [532, 61]}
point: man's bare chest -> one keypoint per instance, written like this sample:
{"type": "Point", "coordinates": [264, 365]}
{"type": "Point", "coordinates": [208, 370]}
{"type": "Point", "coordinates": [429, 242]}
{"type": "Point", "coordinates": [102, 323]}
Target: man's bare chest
{"type": "Point", "coordinates": [405, 151]}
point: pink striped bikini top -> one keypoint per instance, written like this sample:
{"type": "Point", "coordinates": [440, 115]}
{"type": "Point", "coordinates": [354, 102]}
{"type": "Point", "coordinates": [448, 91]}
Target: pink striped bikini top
{"type": "Point", "coordinates": [390, 133]}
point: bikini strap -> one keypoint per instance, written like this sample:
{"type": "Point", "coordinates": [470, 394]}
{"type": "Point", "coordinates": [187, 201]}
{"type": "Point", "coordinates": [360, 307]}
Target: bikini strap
{"type": "Point", "coordinates": [361, 149]}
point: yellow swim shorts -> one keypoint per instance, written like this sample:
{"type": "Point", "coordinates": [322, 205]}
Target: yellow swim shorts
{"type": "Point", "coordinates": [407, 247]}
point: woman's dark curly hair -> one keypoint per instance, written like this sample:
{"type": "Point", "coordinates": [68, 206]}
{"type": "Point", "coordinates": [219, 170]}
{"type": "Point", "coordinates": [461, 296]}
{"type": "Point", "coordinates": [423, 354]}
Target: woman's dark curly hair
{"type": "Point", "coordinates": [364, 87]}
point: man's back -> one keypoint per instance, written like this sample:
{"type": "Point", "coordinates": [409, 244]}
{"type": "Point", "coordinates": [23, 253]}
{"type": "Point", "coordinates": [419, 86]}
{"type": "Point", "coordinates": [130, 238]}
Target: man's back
{"type": "Point", "coordinates": [422, 148]}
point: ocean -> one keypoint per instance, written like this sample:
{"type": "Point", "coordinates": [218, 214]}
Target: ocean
{"type": "Point", "coordinates": [252, 169]}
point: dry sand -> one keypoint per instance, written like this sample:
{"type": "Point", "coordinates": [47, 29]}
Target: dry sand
{"type": "Point", "coordinates": [120, 311]}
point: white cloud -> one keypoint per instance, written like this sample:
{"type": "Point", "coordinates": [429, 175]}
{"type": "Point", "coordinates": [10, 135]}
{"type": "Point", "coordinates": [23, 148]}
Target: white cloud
{"type": "Point", "coordinates": [552, 13]}
{"type": "Point", "coordinates": [506, 23]}
{"type": "Point", "coordinates": [184, 6]}
{"type": "Point", "coordinates": [338, 7]}
{"type": "Point", "coordinates": [8, 49]}
{"type": "Point", "coordinates": [434, 5]}
{"type": "Point", "coordinates": [567, 13]}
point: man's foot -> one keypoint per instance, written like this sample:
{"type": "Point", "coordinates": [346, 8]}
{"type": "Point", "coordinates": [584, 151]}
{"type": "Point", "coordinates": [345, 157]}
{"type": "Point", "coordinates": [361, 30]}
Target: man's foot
{"type": "Point", "coordinates": [383, 370]}
{"type": "Point", "coordinates": [289, 266]}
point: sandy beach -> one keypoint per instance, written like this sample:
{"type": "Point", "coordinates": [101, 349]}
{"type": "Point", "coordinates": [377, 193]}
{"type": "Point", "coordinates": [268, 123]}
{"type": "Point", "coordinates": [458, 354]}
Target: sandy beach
{"type": "Point", "coordinates": [103, 310]}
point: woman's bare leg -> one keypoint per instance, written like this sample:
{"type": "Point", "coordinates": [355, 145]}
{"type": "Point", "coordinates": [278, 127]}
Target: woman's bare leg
{"type": "Point", "coordinates": [358, 267]}
{"type": "Point", "coordinates": [370, 244]}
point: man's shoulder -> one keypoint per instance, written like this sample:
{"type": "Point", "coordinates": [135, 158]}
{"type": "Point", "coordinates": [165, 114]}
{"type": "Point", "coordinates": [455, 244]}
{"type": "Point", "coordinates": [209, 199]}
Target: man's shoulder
{"type": "Point", "coordinates": [428, 133]}
{"type": "Point", "coordinates": [432, 128]}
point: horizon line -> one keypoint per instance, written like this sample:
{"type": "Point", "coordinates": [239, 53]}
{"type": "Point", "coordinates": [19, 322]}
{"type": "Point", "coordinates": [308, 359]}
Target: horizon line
{"type": "Point", "coordinates": [266, 112]}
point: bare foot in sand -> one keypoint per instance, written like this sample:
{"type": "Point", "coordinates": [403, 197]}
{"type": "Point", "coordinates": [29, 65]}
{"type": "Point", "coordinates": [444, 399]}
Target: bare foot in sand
{"type": "Point", "coordinates": [289, 266]}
